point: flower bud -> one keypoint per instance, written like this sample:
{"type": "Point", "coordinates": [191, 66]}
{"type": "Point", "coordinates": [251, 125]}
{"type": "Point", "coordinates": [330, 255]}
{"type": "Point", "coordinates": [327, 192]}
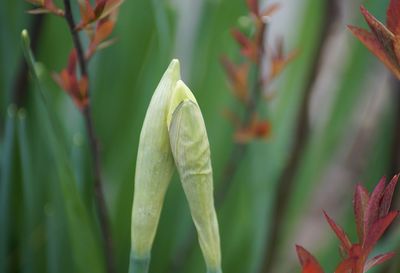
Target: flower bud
{"type": "Point", "coordinates": [154, 169]}
{"type": "Point", "coordinates": [173, 133]}
{"type": "Point", "coordinates": [191, 151]}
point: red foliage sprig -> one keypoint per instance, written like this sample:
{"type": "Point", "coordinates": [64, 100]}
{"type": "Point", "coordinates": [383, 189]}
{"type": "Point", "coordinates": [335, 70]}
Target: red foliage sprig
{"type": "Point", "coordinates": [372, 216]}
{"type": "Point", "coordinates": [383, 40]}
{"type": "Point", "coordinates": [98, 21]}
{"type": "Point", "coordinates": [245, 90]}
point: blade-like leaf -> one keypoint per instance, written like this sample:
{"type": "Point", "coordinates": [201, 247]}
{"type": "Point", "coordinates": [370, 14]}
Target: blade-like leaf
{"type": "Point", "coordinates": [378, 260]}
{"type": "Point", "coordinates": [387, 196]}
{"type": "Point", "coordinates": [307, 261]}
{"type": "Point", "coordinates": [382, 33]}
{"type": "Point", "coordinates": [372, 43]}
{"type": "Point", "coordinates": [345, 242]}
{"type": "Point", "coordinates": [346, 266]}
{"type": "Point", "coordinates": [393, 16]}
{"type": "Point", "coordinates": [372, 210]}
{"type": "Point", "coordinates": [361, 198]}
{"type": "Point", "coordinates": [377, 230]}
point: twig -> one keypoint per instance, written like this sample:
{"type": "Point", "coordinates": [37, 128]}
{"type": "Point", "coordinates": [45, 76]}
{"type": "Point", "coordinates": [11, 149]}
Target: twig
{"type": "Point", "coordinates": [20, 87]}
{"type": "Point", "coordinates": [285, 182]}
{"type": "Point", "coordinates": [94, 148]}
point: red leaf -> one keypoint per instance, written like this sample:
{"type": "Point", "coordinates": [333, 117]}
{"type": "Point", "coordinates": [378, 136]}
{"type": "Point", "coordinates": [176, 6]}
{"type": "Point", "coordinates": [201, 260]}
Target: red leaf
{"type": "Point", "coordinates": [372, 43]}
{"type": "Point", "coordinates": [372, 210]}
{"type": "Point", "coordinates": [382, 33]}
{"type": "Point", "coordinates": [378, 260]}
{"type": "Point", "coordinates": [238, 78]}
{"type": "Point", "coordinates": [387, 196]}
{"type": "Point", "coordinates": [360, 204]}
{"type": "Point", "coordinates": [72, 59]}
{"type": "Point", "coordinates": [307, 261]}
{"type": "Point", "coordinates": [103, 30]}
{"type": "Point", "coordinates": [377, 230]}
{"type": "Point", "coordinates": [345, 242]}
{"type": "Point", "coordinates": [346, 266]}
{"type": "Point", "coordinates": [257, 129]}
{"type": "Point", "coordinates": [248, 48]}
{"type": "Point", "coordinates": [393, 16]}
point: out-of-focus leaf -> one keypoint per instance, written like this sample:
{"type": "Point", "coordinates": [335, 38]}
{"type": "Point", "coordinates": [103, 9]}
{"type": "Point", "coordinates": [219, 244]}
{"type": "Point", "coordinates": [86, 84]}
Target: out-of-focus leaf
{"type": "Point", "coordinates": [86, 249]}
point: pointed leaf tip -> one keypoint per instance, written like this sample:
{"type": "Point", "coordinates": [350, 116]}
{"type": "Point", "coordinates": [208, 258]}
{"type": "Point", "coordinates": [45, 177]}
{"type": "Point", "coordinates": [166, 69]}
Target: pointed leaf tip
{"type": "Point", "coordinates": [345, 242]}
{"type": "Point", "coordinates": [378, 260]}
{"type": "Point", "coordinates": [308, 261]}
{"type": "Point", "coordinates": [361, 198]}
{"type": "Point", "coordinates": [388, 196]}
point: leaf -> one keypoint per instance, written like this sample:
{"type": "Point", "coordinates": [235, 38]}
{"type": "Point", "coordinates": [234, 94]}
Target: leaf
{"type": "Point", "coordinates": [387, 196]}
{"type": "Point", "coordinates": [384, 36]}
{"type": "Point", "coordinates": [237, 76]}
{"type": "Point", "coordinates": [247, 47]}
{"type": "Point", "coordinates": [86, 250]}
{"type": "Point", "coordinates": [373, 44]}
{"type": "Point", "coordinates": [360, 203]}
{"type": "Point", "coordinates": [372, 209]}
{"type": "Point", "coordinates": [378, 260]}
{"type": "Point", "coordinates": [346, 266]}
{"type": "Point", "coordinates": [377, 230]}
{"type": "Point", "coordinates": [345, 242]}
{"type": "Point", "coordinates": [393, 16]}
{"type": "Point", "coordinates": [307, 261]}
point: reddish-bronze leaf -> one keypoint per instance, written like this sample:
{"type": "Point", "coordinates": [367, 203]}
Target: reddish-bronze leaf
{"type": "Point", "coordinates": [377, 230]}
{"type": "Point", "coordinates": [372, 210]}
{"type": "Point", "coordinates": [237, 76]}
{"type": "Point", "coordinates": [248, 48]}
{"type": "Point", "coordinates": [378, 260]}
{"type": "Point", "coordinates": [345, 242]}
{"type": "Point", "coordinates": [372, 43]}
{"type": "Point", "coordinates": [111, 6]}
{"type": "Point", "coordinates": [387, 196]}
{"type": "Point", "coordinates": [103, 30]}
{"type": "Point", "coordinates": [99, 8]}
{"type": "Point", "coordinates": [361, 198]}
{"type": "Point", "coordinates": [346, 266]}
{"type": "Point", "coordinates": [307, 261]}
{"type": "Point", "coordinates": [393, 16]}
{"type": "Point", "coordinates": [257, 129]}
{"type": "Point", "coordinates": [382, 33]}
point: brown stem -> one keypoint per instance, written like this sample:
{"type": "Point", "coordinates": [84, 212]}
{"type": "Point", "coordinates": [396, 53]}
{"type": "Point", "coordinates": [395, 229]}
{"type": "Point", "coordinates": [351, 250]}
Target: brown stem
{"type": "Point", "coordinates": [94, 148]}
{"type": "Point", "coordinates": [285, 182]}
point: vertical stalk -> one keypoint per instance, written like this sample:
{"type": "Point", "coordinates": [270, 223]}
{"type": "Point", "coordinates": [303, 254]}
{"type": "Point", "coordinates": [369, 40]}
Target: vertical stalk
{"type": "Point", "coordinates": [284, 184]}
{"type": "Point", "coordinates": [94, 148]}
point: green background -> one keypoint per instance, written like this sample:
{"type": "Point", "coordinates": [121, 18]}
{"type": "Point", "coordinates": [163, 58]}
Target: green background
{"type": "Point", "coordinates": [47, 215]}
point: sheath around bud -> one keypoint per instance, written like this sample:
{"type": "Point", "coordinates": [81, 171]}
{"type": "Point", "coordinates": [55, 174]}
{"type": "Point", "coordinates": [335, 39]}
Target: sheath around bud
{"type": "Point", "coordinates": [173, 133]}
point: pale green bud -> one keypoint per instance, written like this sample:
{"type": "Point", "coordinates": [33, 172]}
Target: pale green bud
{"type": "Point", "coordinates": [173, 132]}
{"type": "Point", "coordinates": [191, 150]}
{"type": "Point", "coordinates": [154, 169]}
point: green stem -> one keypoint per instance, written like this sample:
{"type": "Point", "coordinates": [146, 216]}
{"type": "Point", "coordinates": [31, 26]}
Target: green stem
{"type": "Point", "coordinates": [139, 265]}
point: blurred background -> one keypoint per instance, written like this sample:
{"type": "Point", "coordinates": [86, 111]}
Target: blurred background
{"type": "Point", "coordinates": [334, 114]}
